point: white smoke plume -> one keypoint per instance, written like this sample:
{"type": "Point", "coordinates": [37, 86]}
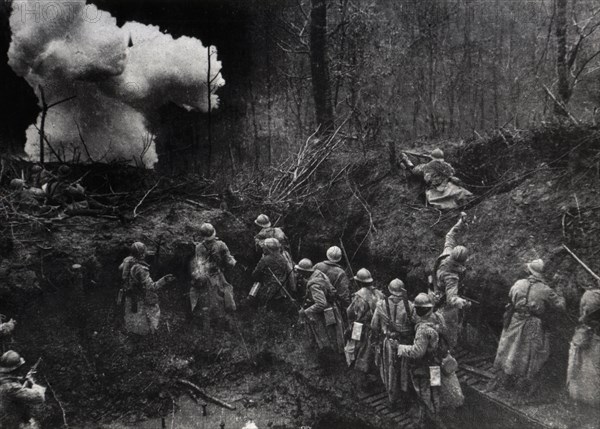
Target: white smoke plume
{"type": "Point", "coordinates": [72, 49]}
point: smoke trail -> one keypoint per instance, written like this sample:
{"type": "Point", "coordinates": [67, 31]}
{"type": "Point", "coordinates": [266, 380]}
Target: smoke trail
{"type": "Point", "coordinates": [72, 49]}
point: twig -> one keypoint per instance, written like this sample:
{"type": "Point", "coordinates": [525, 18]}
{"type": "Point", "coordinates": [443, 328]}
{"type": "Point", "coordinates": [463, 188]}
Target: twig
{"type": "Point", "coordinates": [64, 414]}
{"type": "Point", "coordinates": [588, 269]}
{"type": "Point", "coordinates": [144, 197]}
{"type": "Point", "coordinates": [204, 395]}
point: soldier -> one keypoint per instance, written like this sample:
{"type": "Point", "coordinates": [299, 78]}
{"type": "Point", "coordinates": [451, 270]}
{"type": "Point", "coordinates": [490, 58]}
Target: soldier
{"type": "Point", "coordinates": [443, 190]}
{"type": "Point", "coordinates": [448, 282]}
{"type": "Point", "coordinates": [142, 312]}
{"type": "Point", "coordinates": [524, 345]}
{"type": "Point", "coordinates": [208, 278]}
{"type": "Point", "coordinates": [323, 319]}
{"type": "Point", "coordinates": [393, 321]}
{"type": "Point", "coordinates": [432, 369]}
{"type": "Point", "coordinates": [267, 231]}
{"type": "Point", "coordinates": [583, 374]}
{"type": "Point", "coordinates": [18, 396]}
{"type": "Point", "coordinates": [358, 348]}
{"type": "Point", "coordinates": [272, 272]}
{"type": "Point", "coordinates": [6, 331]}
{"type": "Point", "coordinates": [336, 275]}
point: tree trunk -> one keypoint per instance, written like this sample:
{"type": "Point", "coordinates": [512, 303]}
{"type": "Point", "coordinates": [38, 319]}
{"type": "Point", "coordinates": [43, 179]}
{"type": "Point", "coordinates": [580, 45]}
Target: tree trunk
{"type": "Point", "coordinates": [318, 65]}
{"type": "Point", "coordinates": [563, 93]}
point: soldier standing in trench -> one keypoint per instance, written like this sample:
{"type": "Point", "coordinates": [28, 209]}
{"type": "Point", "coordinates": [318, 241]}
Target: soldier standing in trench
{"type": "Point", "coordinates": [320, 316]}
{"type": "Point", "coordinates": [392, 325]}
{"type": "Point", "coordinates": [338, 278]}
{"type": "Point", "coordinates": [524, 345]}
{"type": "Point", "coordinates": [208, 279]}
{"type": "Point", "coordinates": [448, 282]}
{"type": "Point", "coordinates": [359, 351]}
{"type": "Point", "coordinates": [272, 272]}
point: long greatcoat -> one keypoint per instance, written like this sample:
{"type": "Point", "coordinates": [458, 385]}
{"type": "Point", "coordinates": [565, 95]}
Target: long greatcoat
{"type": "Point", "coordinates": [136, 274]}
{"type": "Point", "coordinates": [524, 346]}
{"type": "Point", "coordinates": [361, 310]}
{"type": "Point", "coordinates": [319, 296]}
{"type": "Point", "coordinates": [427, 336]}
{"type": "Point", "coordinates": [583, 374]}
{"type": "Point", "coordinates": [274, 232]}
{"type": "Point", "coordinates": [208, 281]}
{"type": "Point", "coordinates": [339, 280]}
{"type": "Point", "coordinates": [395, 326]}
{"type": "Point", "coordinates": [271, 270]}
{"type": "Point", "coordinates": [442, 193]}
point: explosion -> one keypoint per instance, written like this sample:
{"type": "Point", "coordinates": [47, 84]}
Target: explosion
{"type": "Point", "coordinates": [118, 77]}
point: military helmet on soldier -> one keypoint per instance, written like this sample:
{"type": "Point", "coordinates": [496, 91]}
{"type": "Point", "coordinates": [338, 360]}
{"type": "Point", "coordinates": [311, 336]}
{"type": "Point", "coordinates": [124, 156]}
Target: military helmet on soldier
{"type": "Point", "coordinates": [536, 267]}
{"type": "Point", "coordinates": [64, 170]}
{"type": "Point", "coordinates": [364, 276]}
{"type": "Point", "coordinates": [138, 250]}
{"type": "Point", "coordinates": [10, 361]}
{"type": "Point", "coordinates": [437, 154]}
{"type": "Point", "coordinates": [305, 265]}
{"type": "Point", "coordinates": [423, 300]}
{"type": "Point", "coordinates": [334, 254]}
{"type": "Point", "coordinates": [459, 254]}
{"type": "Point", "coordinates": [207, 231]}
{"type": "Point", "coordinates": [272, 245]}
{"type": "Point", "coordinates": [396, 287]}
{"type": "Point", "coordinates": [263, 221]}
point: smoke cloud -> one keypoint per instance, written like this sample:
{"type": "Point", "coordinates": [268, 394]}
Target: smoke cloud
{"type": "Point", "coordinates": [118, 75]}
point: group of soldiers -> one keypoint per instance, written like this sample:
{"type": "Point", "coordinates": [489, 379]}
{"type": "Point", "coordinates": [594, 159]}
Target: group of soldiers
{"type": "Point", "coordinates": [407, 344]}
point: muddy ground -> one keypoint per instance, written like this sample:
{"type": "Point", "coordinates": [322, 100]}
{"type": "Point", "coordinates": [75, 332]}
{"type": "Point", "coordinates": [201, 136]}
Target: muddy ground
{"type": "Point", "coordinates": [534, 191]}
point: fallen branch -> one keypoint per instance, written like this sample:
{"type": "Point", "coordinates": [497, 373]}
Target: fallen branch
{"type": "Point", "coordinates": [205, 395]}
{"type": "Point", "coordinates": [588, 269]}
{"type": "Point", "coordinates": [477, 371]}
{"type": "Point", "coordinates": [62, 409]}
{"type": "Point", "coordinates": [561, 105]}
{"type": "Point", "coordinates": [144, 197]}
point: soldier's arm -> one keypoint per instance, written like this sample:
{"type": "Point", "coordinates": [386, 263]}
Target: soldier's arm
{"type": "Point", "coordinates": [451, 241]}
{"type": "Point", "coordinates": [556, 300]}
{"type": "Point", "coordinates": [419, 347]}
{"type": "Point", "coordinates": [318, 297]}
{"type": "Point", "coordinates": [376, 324]}
{"type": "Point", "coordinates": [142, 276]}
{"type": "Point", "coordinates": [29, 395]}
{"type": "Point", "coordinates": [226, 256]}
{"type": "Point", "coordinates": [257, 274]}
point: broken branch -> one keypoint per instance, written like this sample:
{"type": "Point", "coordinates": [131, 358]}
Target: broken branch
{"type": "Point", "coordinates": [588, 269]}
{"type": "Point", "coordinates": [205, 395]}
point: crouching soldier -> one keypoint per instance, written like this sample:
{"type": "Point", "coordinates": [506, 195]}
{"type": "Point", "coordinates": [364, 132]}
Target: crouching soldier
{"type": "Point", "coordinates": [208, 278]}
{"type": "Point", "coordinates": [321, 317]}
{"type": "Point", "coordinates": [142, 312]}
{"type": "Point", "coordinates": [393, 324]}
{"type": "Point", "coordinates": [432, 367]}
{"type": "Point", "coordinates": [271, 275]}
{"type": "Point", "coordinates": [583, 374]}
{"type": "Point", "coordinates": [18, 395]}
{"type": "Point", "coordinates": [359, 352]}
{"type": "Point", "coordinates": [443, 188]}
{"type": "Point", "coordinates": [524, 345]}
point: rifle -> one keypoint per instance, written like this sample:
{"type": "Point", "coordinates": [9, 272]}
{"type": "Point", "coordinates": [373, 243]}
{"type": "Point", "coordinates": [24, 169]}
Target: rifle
{"type": "Point", "coordinates": [588, 269]}
{"type": "Point", "coordinates": [281, 287]}
{"type": "Point", "coordinates": [32, 371]}
{"type": "Point", "coordinates": [347, 260]}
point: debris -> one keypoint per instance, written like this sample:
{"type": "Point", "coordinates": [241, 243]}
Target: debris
{"type": "Point", "coordinates": [204, 395]}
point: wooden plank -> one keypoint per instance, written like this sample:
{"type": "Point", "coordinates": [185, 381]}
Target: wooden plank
{"type": "Point", "coordinates": [477, 371]}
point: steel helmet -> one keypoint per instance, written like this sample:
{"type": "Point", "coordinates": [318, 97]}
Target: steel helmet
{"type": "Point", "coordinates": [263, 221]}
{"type": "Point", "coordinates": [207, 231]}
{"type": "Point", "coordinates": [305, 265]}
{"type": "Point", "coordinates": [64, 170]}
{"type": "Point", "coordinates": [36, 169]}
{"type": "Point", "coordinates": [396, 287]}
{"type": "Point", "coordinates": [536, 267]}
{"type": "Point", "coordinates": [10, 361]}
{"type": "Point", "coordinates": [437, 154]}
{"type": "Point", "coordinates": [364, 276]}
{"type": "Point", "coordinates": [459, 253]}
{"type": "Point", "coordinates": [17, 184]}
{"type": "Point", "coordinates": [334, 254]}
{"type": "Point", "coordinates": [423, 300]}
{"type": "Point", "coordinates": [138, 250]}
{"type": "Point", "coordinates": [272, 245]}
